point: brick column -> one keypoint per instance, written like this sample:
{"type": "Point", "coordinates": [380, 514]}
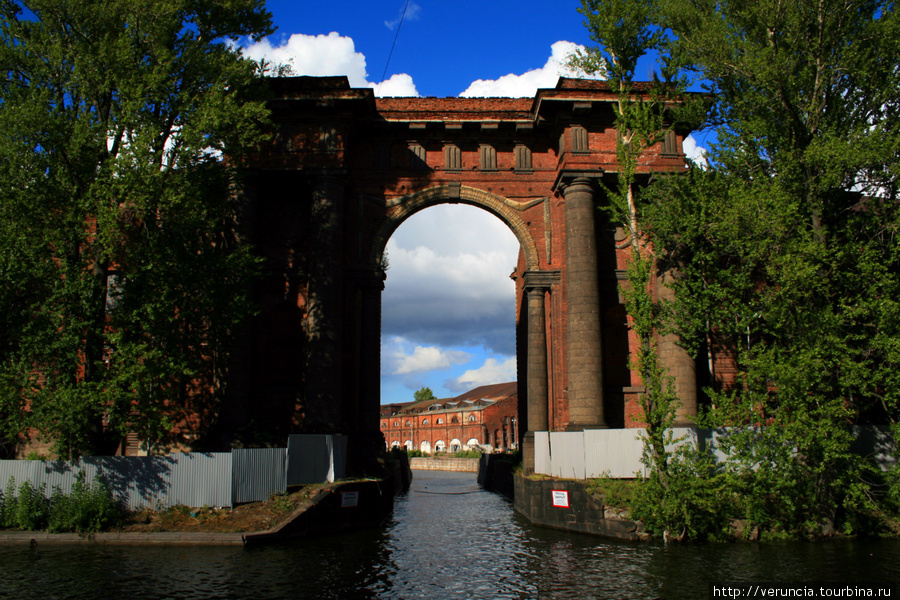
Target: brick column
{"type": "Point", "coordinates": [362, 412]}
{"type": "Point", "coordinates": [678, 362]}
{"type": "Point", "coordinates": [371, 284]}
{"type": "Point", "coordinates": [325, 308]}
{"type": "Point", "coordinates": [583, 346]}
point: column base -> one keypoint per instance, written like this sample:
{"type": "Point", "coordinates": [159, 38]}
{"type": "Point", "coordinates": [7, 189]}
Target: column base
{"type": "Point", "coordinates": [582, 427]}
{"type": "Point", "coordinates": [528, 453]}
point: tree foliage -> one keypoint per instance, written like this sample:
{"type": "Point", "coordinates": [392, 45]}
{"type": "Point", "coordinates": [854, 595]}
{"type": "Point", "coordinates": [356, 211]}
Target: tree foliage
{"type": "Point", "coordinates": [423, 393]}
{"type": "Point", "coordinates": [121, 269]}
{"type": "Point", "coordinates": [643, 117]}
{"type": "Point", "coordinates": [786, 243]}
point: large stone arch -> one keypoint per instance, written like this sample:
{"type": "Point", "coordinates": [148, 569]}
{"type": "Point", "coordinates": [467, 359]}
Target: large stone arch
{"type": "Point", "coordinates": [506, 210]}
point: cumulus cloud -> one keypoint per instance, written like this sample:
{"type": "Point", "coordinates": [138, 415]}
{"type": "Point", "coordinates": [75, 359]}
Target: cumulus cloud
{"type": "Point", "coordinates": [693, 151]}
{"type": "Point", "coordinates": [492, 371]}
{"type": "Point", "coordinates": [396, 86]}
{"type": "Point", "coordinates": [399, 360]}
{"type": "Point", "coordinates": [448, 282]}
{"type": "Point", "coordinates": [326, 55]}
{"type": "Point", "coordinates": [527, 84]}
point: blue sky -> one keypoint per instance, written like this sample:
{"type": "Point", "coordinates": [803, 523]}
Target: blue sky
{"type": "Point", "coordinates": [443, 46]}
{"type": "Point", "coordinates": [449, 306]}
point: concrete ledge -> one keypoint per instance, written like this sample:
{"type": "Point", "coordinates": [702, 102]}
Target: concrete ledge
{"type": "Point", "coordinates": [343, 507]}
{"type": "Point", "coordinates": [163, 538]}
{"type": "Point", "coordinates": [565, 504]}
{"type": "Point", "coordinates": [421, 463]}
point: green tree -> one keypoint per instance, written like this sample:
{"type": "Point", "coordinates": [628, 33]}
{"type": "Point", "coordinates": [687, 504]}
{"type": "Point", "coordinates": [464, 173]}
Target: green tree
{"type": "Point", "coordinates": [424, 393]}
{"type": "Point", "coordinates": [787, 244]}
{"type": "Point", "coordinates": [624, 31]}
{"type": "Point", "coordinates": [121, 267]}
{"type": "Point", "coordinates": [668, 501]}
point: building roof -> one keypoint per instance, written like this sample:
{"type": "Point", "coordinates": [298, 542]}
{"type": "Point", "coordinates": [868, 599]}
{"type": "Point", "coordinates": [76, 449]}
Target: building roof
{"type": "Point", "coordinates": [474, 399]}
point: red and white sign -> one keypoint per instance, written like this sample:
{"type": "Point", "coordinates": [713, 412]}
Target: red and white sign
{"type": "Point", "coordinates": [561, 498]}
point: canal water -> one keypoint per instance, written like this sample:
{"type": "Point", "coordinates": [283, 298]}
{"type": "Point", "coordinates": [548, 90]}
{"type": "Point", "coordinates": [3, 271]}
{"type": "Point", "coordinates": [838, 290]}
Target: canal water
{"type": "Point", "coordinates": [447, 539]}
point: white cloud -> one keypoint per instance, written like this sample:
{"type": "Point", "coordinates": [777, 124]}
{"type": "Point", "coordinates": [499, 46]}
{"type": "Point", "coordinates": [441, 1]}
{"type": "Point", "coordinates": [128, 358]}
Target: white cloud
{"type": "Point", "coordinates": [412, 11]}
{"type": "Point", "coordinates": [527, 84]}
{"type": "Point", "coordinates": [492, 371]}
{"type": "Point", "coordinates": [448, 283]}
{"type": "Point", "coordinates": [327, 55]}
{"type": "Point", "coordinates": [422, 358]}
{"type": "Point", "coordinates": [397, 85]}
{"type": "Point", "coordinates": [693, 151]}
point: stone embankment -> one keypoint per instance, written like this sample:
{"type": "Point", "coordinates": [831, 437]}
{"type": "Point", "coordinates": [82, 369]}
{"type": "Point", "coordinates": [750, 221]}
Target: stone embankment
{"type": "Point", "coordinates": [567, 505]}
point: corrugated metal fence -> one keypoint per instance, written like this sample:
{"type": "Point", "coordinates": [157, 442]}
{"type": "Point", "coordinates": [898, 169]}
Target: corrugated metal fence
{"type": "Point", "coordinates": [191, 478]}
{"type": "Point", "coordinates": [617, 453]}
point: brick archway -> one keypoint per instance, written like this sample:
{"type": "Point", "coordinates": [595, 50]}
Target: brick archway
{"type": "Point", "coordinates": [506, 210]}
{"type": "Point", "coordinates": [344, 169]}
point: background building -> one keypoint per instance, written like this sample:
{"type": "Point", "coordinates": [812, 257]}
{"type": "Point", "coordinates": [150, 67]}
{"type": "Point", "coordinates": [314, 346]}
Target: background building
{"type": "Point", "coordinates": [484, 418]}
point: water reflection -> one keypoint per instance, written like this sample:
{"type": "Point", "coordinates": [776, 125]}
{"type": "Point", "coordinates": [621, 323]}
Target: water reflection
{"type": "Point", "coordinates": [447, 539]}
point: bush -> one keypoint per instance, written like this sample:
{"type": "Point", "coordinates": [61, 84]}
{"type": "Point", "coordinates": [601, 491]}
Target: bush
{"type": "Point", "coordinates": [32, 508]}
{"type": "Point", "coordinates": [5, 519]}
{"type": "Point", "coordinates": [89, 509]}
{"type": "Point", "coordinates": [688, 501]}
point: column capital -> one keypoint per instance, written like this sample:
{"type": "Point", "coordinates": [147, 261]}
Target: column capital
{"type": "Point", "coordinates": [566, 180]}
{"type": "Point", "coordinates": [541, 280]}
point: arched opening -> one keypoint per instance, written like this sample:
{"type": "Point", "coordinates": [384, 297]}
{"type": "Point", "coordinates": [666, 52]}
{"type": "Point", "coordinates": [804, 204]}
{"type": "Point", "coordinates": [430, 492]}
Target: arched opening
{"type": "Point", "coordinates": [448, 306]}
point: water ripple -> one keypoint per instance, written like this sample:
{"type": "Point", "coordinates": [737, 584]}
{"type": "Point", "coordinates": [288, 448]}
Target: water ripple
{"type": "Point", "coordinates": [455, 541]}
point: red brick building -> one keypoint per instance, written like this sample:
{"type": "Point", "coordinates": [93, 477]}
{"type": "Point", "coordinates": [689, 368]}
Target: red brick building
{"type": "Point", "coordinates": [484, 418]}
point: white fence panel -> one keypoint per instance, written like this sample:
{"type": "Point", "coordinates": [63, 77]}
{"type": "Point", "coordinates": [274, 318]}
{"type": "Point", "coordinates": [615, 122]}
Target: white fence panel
{"type": "Point", "coordinates": [542, 452]}
{"type": "Point", "coordinates": [613, 453]}
{"type": "Point", "coordinates": [567, 454]}
{"type": "Point", "coordinates": [617, 452]}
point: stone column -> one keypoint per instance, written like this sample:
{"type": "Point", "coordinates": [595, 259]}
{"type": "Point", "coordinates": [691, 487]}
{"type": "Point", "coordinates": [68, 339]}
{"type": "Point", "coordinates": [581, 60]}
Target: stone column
{"type": "Point", "coordinates": [678, 362]}
{"type": "Point", "coordinates": [325, 308]}
{"type": "Point", "coordinates": [537, 284]}
{"type": "Point", "coordinates": [538, 406]}
{"type": "Point", "coordinates": [583, 346]}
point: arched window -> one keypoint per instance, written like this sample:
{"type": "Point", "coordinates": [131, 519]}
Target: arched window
{"type": "Point", "coordinates": [455, 419]}
{"type": "Point", "coordinates": [472, 418]}
{"type": "Point", "coordinates": [440, 420]}
{"type": "Point", "coordinates": [424, 421]}
{"type": "Point", "coordinates": [408, 422]}
{"type": "Point", "coordinates": [396, 423]}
